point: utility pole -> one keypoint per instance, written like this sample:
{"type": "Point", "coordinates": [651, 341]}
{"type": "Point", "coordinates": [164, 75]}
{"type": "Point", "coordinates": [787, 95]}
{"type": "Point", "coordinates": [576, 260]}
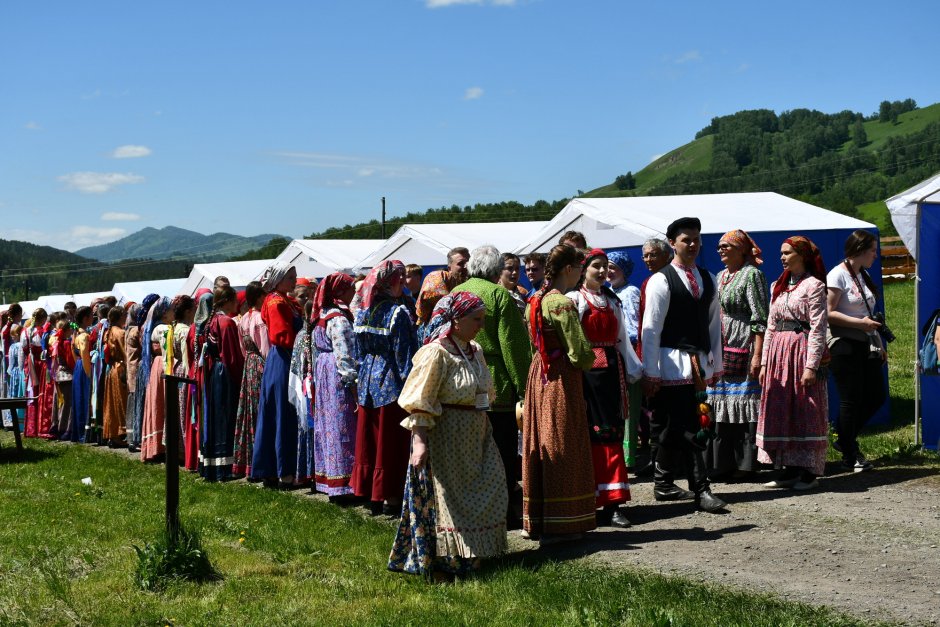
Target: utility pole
{"type": "Point", "coordinates": [383, 217]}
{"type": "Point", "coordinates": [26, 286]}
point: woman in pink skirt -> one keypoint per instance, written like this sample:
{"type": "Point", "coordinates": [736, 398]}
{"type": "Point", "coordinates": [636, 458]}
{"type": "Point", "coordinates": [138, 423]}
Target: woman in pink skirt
{"type": "Point", "coordinates": [792, 430]}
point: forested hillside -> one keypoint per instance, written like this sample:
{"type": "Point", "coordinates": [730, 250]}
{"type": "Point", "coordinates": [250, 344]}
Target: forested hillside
{"type": "Point", "coordinates": [30, 271]}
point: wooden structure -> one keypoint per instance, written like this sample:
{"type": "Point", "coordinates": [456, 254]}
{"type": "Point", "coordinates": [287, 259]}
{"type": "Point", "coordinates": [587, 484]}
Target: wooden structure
{"type": "Point", "coordinates": [896, 262]}
{"type": "Point", "coordinates": [15, 404]}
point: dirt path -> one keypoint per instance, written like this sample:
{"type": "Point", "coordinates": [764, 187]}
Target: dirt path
{"type": "Point", "coordinates": [867, 544]}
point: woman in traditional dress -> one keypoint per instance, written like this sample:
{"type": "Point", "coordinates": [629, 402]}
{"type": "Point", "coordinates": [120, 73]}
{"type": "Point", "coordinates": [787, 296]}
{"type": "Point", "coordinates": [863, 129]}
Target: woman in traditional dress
{"type": "Point", "coordinates": [509, 278]}
{"type": "Point", "coordinates": [605, 385]}
{"type": "Point", "coordinates": [619, 270]}
{"type": "Point", "coordinates": [39, 412]}
{"type": "Point", "coordinates": [300, 393]}
{"type": "Point", "coordinates": [194, 412]}
{"type": "Point", "coordinates": [135, 339]}
{"type": "Point", "coordinates": [385, 343]}
{"type": "Point", "coordinates": [184, 312]}
{"type": "Point", "coordinates": [735, 397]}
{"type": "Point", "coordinates": [81, 383]}
{"type": "Point", "coordinates": [274, 458]}
{"type": "Point", "coordinates": [115, 391]}
{"type": "Point", "coordinates": [335, 373]}
{"type": "Point", "coordinates": [223, 363]}
{"type": "Point", "coordinates": [557, 467]}
{"type": "Point", "coordinates": [63, 365]}
{"type": "Point", "coordinates": [16, 370]}
{"type": "Point", "coordinates": [152, 447]}
{"type": "Point", "coordinates": [453, 453]}
{"type": "Point", "coordinates": [792, 430]}
{"type": "Point", "coordinates": [254, 339]}
{"type": "Point", "coordinates": [858, 351]}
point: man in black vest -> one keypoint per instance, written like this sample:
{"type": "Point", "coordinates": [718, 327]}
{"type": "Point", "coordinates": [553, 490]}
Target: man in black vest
{"type": "Point", "coordinates": [681, 332]}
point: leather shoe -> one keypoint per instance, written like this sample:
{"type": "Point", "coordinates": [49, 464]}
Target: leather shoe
{"type": "Point", "coordinates": [645, 471]}
{"type": "Point", "coordinates": [709, 502]}
{"type": "Point", "coordinates": [619, 520]}
{"type": "Point", "coordinates": [672, 493]}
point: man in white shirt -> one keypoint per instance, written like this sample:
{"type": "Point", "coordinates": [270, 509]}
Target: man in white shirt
{"type": "Point", "coordinates": [681, 334]}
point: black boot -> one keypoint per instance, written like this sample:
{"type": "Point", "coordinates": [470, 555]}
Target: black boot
{"type": "Point", "coordinates": [706, 501]}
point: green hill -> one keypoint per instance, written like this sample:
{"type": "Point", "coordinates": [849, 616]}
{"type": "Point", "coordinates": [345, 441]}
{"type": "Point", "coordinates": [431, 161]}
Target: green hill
{"type": "Point", "coordinates": [171, 241]}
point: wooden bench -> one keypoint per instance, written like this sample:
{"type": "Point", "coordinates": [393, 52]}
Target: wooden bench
{"type": "Point", "coordinates": [15, 404]}
{"type": "Point", "coordinates": [896, 261]}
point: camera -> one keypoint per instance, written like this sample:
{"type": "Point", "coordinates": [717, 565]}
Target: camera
{"type": "Point", "coordinates": [884, 331]}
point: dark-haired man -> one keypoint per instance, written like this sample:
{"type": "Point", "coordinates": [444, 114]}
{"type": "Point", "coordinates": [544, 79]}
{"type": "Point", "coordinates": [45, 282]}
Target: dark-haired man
{"type": "Point", "coordinates": [681, 347]}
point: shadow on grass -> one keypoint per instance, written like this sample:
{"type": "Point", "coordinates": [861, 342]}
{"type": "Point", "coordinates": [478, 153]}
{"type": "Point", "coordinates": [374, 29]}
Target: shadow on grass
{"type": "Point", "coordinates": [9, 454]}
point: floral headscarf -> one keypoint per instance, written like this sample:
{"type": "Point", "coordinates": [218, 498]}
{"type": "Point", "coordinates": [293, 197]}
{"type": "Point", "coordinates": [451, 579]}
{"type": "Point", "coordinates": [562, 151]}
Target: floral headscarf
{"type": "Point", "coordinates": [743, 242]}
{"type": "Point", "coordinates": [377, 284]}
{"type": "Point", "coordinates": [452, 307]}
{"type": "Point", "coordinates": [812, 260]}
{"type": "Point", "coordinates": [327, 294]}
{"type": "Point", "coordinates": [621, 259]}
{"type": "Point", "coordinates": [145, 306]}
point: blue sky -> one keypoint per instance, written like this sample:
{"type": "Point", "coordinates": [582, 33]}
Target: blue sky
{"type": "Point", "coordinates": [293, 116]}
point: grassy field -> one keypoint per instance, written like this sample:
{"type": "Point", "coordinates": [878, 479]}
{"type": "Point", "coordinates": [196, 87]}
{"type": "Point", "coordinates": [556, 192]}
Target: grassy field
{"type": "Point", "coordinates": [66, 558]}
{"type": "Point", "coordinates": [693, 157]}
{"type": "Point", "coordinates": [910, 122]}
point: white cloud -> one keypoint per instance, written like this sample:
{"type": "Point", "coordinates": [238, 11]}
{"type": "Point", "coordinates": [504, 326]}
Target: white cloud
{"type": "Point", "coordinates": [117, 216]}
{"type": "Point", "coordinates": [130, 151]}
{"type": "Point", "coordinates": [32, 126]}
{"type": "Point", "coordinates": [473, 93]}
{"type": "Point", "coordinates": [72, 238]}
{"type": "Point", "coordinates": [98, 182]}
{"type": "Point", "coordinates": [438, 4]}
{"type": "Point", "coordinates": [359, 166]}
{"type": "Point", "coordinates": [686, 57]}
{"type": "Point", "coordinates": [744, 67]}
{"type": "Point", "coordinates": [92, 95]}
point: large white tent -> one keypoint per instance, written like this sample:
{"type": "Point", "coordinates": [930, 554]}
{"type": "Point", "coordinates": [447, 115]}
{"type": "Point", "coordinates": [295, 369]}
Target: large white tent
{"type": "Point", "coordinates": [916, 215]}
{"type": "Point", "coordinates": [320, 257]}
{"type": "Point", "coordinates": [29, 306]}
{"type": "Point", "coordinates": [427, 244]}
{"type": "Point", "coordinates": [625, 222]}
{"type": "Point", "coordinates": [135, 291]}
{"type": "Point", "coordinates": [239, 273]}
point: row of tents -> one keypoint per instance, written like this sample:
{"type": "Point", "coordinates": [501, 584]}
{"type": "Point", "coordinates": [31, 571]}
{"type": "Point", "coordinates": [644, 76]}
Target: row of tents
{"type": "Point", "coordinates": [609, 223]}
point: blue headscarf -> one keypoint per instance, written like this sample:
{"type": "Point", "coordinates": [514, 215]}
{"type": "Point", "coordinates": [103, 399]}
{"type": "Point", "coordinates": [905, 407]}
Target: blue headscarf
{"type": "Point", "coordinates": [622, 259]}
{"type": "Point", "coordinates": [145, 306]}
{"type": "Point", "coordinates": [154, 318]}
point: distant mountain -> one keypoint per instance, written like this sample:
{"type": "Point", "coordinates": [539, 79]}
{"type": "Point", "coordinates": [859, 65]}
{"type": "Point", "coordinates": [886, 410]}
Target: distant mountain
{"type": "Point", "coordinates": [174, 242]}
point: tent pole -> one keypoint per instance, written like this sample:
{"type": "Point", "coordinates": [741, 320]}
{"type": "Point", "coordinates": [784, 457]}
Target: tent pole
{"type": "Point", "coordinates": [917, 364]}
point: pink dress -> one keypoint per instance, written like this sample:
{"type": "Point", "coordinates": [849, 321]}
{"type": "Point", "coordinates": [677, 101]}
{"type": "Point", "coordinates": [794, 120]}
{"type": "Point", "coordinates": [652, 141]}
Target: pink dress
{"type": "Point", "coordinates": [793, 426]}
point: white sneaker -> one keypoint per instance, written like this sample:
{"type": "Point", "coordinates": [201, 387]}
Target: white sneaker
{"type": "Point", "coordinates": [782, 483]}
{"type": "Point", "coordinates": [806, 485]}
{"type": "Point", "coordinates": [862, 465]}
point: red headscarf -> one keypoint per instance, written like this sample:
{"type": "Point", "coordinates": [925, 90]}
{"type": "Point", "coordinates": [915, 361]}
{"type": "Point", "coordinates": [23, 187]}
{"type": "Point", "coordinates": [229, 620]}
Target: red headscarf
{"type": "Point", "coordinates": [742, 241]}
{"type": "Point", "coordinates": [200, 292]}
{"type": "Point", "coordinates": [452, 307]}
{"type": "Point", "coordinates": [812, 261]}
{"type": "Point", "coordinates": [378, 283]}
{"type": "Point", "coordinates": [327, 294]}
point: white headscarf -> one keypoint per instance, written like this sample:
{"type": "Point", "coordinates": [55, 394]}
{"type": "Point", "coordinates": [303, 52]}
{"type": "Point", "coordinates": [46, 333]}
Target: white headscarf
{"type": "Point", "coordinates": [274, 274]}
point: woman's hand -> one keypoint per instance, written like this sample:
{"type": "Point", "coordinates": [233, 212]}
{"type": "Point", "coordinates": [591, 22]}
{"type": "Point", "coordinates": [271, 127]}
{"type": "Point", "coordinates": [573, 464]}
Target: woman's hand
{"type": "Point", "coordinates": [868, 325]}
{"type": "Point", "coordinates": [754, 372]}
{"type": "Point", "coordinates": [808, 378]}
{"type": "Point", "coordinates": [761, 375]}
{"type": "Point", "coordinates": [419, 450]}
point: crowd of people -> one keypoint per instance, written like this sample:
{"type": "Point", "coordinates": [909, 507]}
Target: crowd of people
{"type": "Point", "coordinates": [465, 403]}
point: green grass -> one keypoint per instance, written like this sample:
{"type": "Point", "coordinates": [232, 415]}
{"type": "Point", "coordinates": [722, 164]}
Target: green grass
{"type": "Point", "coordinates": [911, 122]}
{"type": "Point", "coordinates": [66, 558]}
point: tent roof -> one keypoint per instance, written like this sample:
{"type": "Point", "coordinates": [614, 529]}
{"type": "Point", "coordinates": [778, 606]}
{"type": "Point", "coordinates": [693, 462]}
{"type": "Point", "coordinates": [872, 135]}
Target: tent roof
{"type": "Point", "coordinates": [320, 257]}
{"type": "Point", "coordinates": [54, 302]}
{"type": "Point", "coordinates": [83, 300]}
{"type": "Point", "coordinates": [136, 290]}
{"type": "Point", "coordinates": [616, 222]}
{"type": "Point", "coordinates": [29, 306]}
{"type": "Point", "coordinates": [239, 273]}
{"type": "Point", "coordinates": [903, 208]}
{"type": "Point", "coordinates": [427, 244]}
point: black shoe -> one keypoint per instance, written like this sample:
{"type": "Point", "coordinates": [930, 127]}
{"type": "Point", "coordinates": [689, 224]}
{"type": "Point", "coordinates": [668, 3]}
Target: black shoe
{"type": "Point", "coordinates": [619, 520]}
{"type": "Point", "coordinates": [645, 471]}
{"type": "Point", "coordinates": [708, 502]}
{"type": "Point", "coordinates": [672, 493]}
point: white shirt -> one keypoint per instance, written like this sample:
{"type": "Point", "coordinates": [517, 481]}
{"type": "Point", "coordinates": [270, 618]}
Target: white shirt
{"type": "Point", "coordinates": [850, 299]}
{"type": "Point", "coordinates": [624, 347]}
{"type": "Point", "coordinates": [672, 366]}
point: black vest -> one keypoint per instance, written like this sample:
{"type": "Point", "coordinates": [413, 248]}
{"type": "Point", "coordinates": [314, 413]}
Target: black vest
{"type": "Point", "coordinates": [686, 325]}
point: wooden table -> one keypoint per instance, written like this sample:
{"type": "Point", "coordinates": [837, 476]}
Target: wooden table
{"type": "Point", "coordinates": [14, 404]}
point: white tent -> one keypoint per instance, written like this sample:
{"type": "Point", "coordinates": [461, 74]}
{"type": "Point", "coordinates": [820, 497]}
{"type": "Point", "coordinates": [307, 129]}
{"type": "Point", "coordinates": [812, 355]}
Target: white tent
{"type": "Point", "coordinates": [320, 257]}
{"type": "Point", "coordinates": [29, 306]}
{"type": "Point", "coordinates": [136, 291]}
{"type": "Point", "coordinates": [239, 273]}
{"type": "Point", "coordinates": [625, 222]}
{"type": "Point", "coordinates": [905, 206]}
{"type": "Point", "coordinates": [87, 298]}
{"type": "Point", "coordinates": [427, 244]}
{"type": "Point", "coordinates": [55, 302]}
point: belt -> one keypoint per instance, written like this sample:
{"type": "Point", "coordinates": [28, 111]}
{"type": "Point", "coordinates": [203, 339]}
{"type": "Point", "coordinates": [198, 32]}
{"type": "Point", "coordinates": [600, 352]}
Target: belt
{"type": "Point", "coordinates": [456, 406]}
{"type": "Point", "coordinates": [796, 326]}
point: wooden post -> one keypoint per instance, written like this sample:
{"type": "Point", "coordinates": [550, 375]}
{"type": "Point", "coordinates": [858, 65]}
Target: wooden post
{"type": "Point", "coordinates": [15, 404]}
{"type": "Point", "coordinates": [171, 425]}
